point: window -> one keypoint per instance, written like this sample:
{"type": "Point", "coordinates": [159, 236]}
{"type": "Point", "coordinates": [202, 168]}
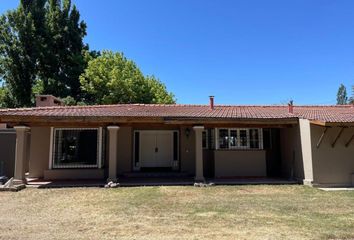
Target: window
{"type": "Point", "coordinates": [243, 137]}
{"type": "Point", "coordinates": [240, 138]}
{"type": "Point", "coordinates": [77, 148]}
{"type": "Point", "coordinates": [233, 138]}
{"type": "Point", "coordinates": [205, 139]}
{"type": "Point", "coordinates": [254, 138]}
{"type": "Point", "coordinates": [208, 140]}
{"type": "Point", "coordinates": [223, 138]}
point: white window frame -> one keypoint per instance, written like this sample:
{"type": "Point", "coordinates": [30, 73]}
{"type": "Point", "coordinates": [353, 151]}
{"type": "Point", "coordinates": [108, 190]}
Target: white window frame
{"type": "Point", "coordinates": [99, 158]}
{"type": "Point", "coordinates": [238, 146]}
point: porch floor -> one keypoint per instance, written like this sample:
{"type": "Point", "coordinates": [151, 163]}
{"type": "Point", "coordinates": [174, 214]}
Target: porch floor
{"type": "Point", "coordinates": [155, 181]}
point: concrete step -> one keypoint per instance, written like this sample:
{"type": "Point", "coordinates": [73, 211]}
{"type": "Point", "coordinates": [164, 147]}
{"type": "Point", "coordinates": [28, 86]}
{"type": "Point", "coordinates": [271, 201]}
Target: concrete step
{"type": "Point", "coordinates": [156, 175]}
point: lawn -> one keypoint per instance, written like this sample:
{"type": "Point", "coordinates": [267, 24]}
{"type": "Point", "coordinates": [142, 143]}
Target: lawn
{"type": "Point", "coordinates": [221, 212]}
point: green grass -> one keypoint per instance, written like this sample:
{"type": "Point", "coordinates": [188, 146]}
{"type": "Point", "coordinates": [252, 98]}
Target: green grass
{"type": "Point", "coordinates": [228, 212]}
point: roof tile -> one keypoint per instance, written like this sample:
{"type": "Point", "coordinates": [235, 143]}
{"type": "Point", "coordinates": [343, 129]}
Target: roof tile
{"type": "Point", "coordinates": [338, 114]}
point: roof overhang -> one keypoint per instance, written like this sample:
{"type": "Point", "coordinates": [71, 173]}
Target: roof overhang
{"type": "Point", "coordinates": [332, 124]}
{"type": "Point", "coordinates": [106, 120]}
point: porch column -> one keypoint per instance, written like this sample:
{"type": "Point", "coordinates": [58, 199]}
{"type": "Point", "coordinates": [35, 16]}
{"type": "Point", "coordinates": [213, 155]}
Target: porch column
{"type": "Point", "coordinates": [306, 148]}
{"type": "Point", "coordinates": [21, 154]}
{"type": "Point", "coordinates": [199, 176]}
{"type": "Point", "coordinates": [113, 136]}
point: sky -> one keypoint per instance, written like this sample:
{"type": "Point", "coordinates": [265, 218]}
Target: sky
{"type": "Point", "coordinates": [245, 52]}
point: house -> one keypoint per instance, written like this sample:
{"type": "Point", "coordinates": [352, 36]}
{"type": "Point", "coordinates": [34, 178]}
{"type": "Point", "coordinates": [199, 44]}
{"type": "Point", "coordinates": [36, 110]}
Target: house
{"type": "Point", "coordinates": [312, 144]}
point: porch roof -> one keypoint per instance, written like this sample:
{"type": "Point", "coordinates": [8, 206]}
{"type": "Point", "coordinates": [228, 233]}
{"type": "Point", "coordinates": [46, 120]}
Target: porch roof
{"type": "Point", "coordinates": [323, 115]}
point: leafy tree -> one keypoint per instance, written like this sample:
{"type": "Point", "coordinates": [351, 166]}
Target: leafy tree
{"type": "Point", "coordinates": [62, 57]}
{"type": "Point", "coordinates": [112, 78]}
{"type": "Point", "coordinates": [342, 97]}
{"type": "Point", "coordinates": [351, 99]}
{"type": "Point", "coordinates": [2, 96]}
{"type": "Point", "coordinates": [18, 52]}
{"type": "Point", "coordinates": [42, 50]}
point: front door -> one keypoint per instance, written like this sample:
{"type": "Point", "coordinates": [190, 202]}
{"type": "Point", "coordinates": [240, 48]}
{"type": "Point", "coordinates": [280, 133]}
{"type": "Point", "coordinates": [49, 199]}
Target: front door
{"type": "Point", "coordinates": [156, 149]}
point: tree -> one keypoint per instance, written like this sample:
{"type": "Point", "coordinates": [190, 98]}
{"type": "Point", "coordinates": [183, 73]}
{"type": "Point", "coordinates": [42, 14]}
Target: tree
{"type": "Point", "coordinates": [351, 99]}
{"type": "Point", "coordinates": [41, 47]}
{"type": "Point", "coordinates": [342, 97]}
{"type": "Point", "coordinates": [18, 52]}
{"type": "Point", "coordinates": [62, 58]}
{"type": "Point", "coordinates": [112, 78]}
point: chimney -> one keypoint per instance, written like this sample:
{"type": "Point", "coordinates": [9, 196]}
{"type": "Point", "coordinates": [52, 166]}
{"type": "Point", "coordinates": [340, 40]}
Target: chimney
{"type": "Point", "coordinates": [211, 98]}
{"type": "Point", "coordinates": [291, 106]}
{"type": "Point", "coordinates": [48, 101]}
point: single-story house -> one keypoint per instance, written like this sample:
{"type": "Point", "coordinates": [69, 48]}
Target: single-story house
{"type": "Point", "coordinates": [312, 144]}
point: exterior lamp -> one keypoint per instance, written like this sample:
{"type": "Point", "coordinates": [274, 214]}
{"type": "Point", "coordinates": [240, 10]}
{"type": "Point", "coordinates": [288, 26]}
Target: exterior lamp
{"type": "Point", "coordinates": [188, 131]}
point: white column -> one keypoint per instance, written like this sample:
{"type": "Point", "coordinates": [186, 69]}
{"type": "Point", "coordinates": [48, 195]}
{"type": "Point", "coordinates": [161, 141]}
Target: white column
{"type": "Point", "coordinates": [21, 158]}
{"type": "Point", "coordinates": [306, 148]}
{"type": "Point", "coordinates": [113, 137]}
{"type": "Point", "coordinates": [199, 176]}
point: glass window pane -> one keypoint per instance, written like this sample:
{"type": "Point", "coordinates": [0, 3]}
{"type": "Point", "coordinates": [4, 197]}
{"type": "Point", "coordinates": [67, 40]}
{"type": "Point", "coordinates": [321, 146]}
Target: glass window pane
{"type": "Point", "coordinates": [204, 139]}
{"type": "Point", "coordinates": [223, 138]}
{"type": "Point", "coordinates": [75, 148]}
{"type": "Point", "coordinates": [233, 138]}
{"type": "Point", "coordinates": [243, 138]}
{"type": "Point", "coordinates": [254, 138]}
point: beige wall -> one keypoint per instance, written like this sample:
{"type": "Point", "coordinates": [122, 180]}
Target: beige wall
{"type": "Point", "coordinates": [39, 160]}
{"type": "Point", "coordinates": [39, 151]}
{"type": "Point", "coordinates": [125, 150]}
{"type": "Point", "coordinates": [291, 155]}
{"type": "Point", "coordinates": [187, 151]}
{"type": "Point", "coordinates": [125, 147]}
{"type": "Point", "coordinates": [7, 152]}
{"type": "Point", "coordinates": [74, 174]}
{"type": "Point", "coordinates": [229, 163]}
{"type": "Point", "coordinates": [332, 166]}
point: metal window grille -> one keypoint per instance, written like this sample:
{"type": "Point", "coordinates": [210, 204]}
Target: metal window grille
{"type": "Point", "coordinates": [77, 148]}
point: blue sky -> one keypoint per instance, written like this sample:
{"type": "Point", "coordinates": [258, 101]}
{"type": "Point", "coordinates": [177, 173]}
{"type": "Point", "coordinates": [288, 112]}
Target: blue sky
{"type": "Point", "coordinates": [243, 52]}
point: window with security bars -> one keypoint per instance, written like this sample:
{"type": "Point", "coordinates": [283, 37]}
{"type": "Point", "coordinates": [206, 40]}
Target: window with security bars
{"type": "Point", "coordinates": [208, 141]}
{"type": "Point", "coordinates": [77, 148]}
{"type": "Point", "coordinates": [239, 138]}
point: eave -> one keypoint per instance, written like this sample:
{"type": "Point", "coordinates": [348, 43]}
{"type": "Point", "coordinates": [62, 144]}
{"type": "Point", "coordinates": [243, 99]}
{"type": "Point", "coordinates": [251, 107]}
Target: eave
{"type": "Point", "coordinates": [332, 124]}
{"type": "Point", "coordinates": [127, 121]}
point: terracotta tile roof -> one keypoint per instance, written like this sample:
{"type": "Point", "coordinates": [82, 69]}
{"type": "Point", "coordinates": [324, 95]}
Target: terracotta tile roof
{"type": "Point", "coordinates": [331, 114]}
{"type": "Point", "coordinates": [338, 114]}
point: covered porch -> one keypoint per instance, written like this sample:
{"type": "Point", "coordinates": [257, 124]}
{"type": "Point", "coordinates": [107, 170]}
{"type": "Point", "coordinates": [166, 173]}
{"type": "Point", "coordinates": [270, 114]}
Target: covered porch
{"type": "Point", "coordinates": [171, 153]}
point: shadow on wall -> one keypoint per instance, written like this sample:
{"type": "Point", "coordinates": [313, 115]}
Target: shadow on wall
{"type": "Point", "coordinates": [7, 152]}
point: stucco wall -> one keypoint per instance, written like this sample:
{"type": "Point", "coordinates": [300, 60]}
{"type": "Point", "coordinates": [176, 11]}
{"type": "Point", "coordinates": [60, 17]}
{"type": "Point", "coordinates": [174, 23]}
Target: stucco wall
{"type": "Point", "coordinates": [74, 174]}
{"type": "Point", "coordinates": [291, 155]}
{"type": "Point", "coordinates": [332, 166]}
{"type": "Point", "coordinates": [7, 152]}
{"type": "Point", "coordinates": [39, 151]}
{"type": "Point", "coordinates": [125, 150]}
{"type": "Point", "coordinates": [187, 151]}
{"type": "Point", "coordinates": [240, 163]}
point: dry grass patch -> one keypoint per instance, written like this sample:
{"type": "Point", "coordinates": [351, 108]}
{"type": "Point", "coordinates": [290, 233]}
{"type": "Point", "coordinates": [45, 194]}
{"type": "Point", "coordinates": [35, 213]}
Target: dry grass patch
{"type": "Point", "coordinates": [230, 212]}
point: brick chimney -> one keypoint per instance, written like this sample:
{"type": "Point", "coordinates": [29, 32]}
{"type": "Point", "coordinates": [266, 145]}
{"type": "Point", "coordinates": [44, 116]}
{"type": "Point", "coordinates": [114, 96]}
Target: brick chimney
{"type": "Point", "coordinates": [211, 102]}
{"type": "Point", "coordinates": [291, 106]}
{"type": "Point", "coordinates": [48, 101]}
